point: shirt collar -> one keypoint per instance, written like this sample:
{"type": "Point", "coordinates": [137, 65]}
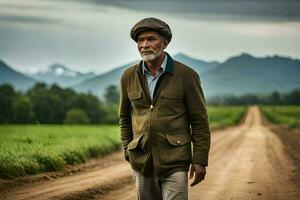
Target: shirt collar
{"type": "Point", "coordinates": [162, 66]}
{"type": "Point", "coordinates": [169, 65]}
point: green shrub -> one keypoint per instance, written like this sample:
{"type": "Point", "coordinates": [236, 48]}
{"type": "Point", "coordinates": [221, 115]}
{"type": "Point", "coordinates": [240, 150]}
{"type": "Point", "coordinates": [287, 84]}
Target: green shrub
{"type": "Point", "coordinates": [76, 116]}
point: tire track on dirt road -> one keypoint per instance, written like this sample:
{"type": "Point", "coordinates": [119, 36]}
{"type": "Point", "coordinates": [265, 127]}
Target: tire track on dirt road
{"type": "Point", "coordinates": [96, 181]}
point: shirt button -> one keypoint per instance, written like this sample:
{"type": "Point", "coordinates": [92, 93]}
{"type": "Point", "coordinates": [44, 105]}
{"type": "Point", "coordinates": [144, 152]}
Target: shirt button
{"type": "Point", "coordinates": [178, 142]}
{"type": "Point", "coordinates": [151, 107]}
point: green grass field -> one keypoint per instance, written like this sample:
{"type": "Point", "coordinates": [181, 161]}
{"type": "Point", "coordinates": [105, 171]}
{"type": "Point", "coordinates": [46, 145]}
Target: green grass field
{"type": "Point", "coordinates": [282, 115]}
{"type": "Point", "coordinates": [32, 149]}
{"type": "Point", "coordinates": [225, 115]}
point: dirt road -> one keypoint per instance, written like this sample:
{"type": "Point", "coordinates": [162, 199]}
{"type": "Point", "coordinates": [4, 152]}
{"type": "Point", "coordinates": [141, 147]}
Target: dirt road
{"type": "Point", "coordinates": [246, 162]}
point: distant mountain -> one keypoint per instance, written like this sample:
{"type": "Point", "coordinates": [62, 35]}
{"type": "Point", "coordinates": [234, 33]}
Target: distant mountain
{"type": "Point", "coordinates": [199, 66]}
{"type": "Point", "coordinates": [61, 75]}
{"type": "Point", "coordinates": [98, 84]}
{"type": "Point", "coordinates": [247, 74]}
{"type": "Point", "coordinates": [238, 75]}
{"type": "Point", "coordinates": [18, 80]}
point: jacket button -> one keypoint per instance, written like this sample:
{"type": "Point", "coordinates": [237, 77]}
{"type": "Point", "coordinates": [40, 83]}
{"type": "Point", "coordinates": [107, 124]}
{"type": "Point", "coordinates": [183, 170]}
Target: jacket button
{"type": "Point", "coordinates": [151, 107]}
{"type": "Point", "coordinates": [178, 142]}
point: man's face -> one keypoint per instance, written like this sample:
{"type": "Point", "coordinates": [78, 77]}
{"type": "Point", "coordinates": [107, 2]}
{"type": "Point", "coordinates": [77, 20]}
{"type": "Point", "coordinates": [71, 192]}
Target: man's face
{"type": "Point", "coordinates": [151, 45]}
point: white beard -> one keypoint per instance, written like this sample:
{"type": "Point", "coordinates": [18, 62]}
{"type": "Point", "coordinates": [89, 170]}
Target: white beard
{"type": "Point", "coordinates": [148, 57]}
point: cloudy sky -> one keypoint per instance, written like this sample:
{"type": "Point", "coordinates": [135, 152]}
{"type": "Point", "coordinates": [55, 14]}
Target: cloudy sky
{"type": "Point", "coordinates": [93, 35]}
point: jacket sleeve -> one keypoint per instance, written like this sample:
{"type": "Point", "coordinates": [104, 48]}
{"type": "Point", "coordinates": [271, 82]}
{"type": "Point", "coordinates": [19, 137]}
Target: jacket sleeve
{"type": "Point", "coordinates": [198, 118]}
{"type": "Point", "coordinates": [125, 117]}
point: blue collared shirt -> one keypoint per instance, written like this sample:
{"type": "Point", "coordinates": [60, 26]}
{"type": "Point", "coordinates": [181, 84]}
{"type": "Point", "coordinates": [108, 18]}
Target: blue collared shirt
{"type": "Point", "coordinates": [152, 80]}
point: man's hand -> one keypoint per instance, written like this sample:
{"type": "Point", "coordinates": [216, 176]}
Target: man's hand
{"type": "Point", "coordinates": [199, 171]}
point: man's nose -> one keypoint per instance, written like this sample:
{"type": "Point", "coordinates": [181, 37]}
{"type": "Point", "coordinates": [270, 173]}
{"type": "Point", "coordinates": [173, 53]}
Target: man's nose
{"type": "Point", "coordinates": [145, 43]}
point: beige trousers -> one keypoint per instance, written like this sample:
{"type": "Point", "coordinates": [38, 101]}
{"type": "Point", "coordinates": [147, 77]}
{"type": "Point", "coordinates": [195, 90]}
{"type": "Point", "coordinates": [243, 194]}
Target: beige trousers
{"type": "Point", "coordinates": [172, 187]}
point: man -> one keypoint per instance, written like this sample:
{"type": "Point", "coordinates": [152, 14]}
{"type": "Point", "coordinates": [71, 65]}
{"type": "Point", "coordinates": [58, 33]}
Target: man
{"type": "Point", "coordinates": [162, 111]}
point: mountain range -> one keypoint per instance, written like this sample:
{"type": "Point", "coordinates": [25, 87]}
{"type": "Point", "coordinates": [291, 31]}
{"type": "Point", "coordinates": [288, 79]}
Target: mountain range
{"type": "Point", "coordinates": [247, 74]}
{"type": "Point", "coordinates": [62, 76]}
{"type": "Point", "coordinates": [98, 84]}
{"type": "Point", "coordinates": [237, 75]}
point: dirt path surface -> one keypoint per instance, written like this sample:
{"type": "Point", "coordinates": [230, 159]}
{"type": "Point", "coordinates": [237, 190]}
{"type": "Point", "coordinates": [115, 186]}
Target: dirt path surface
{"type": "Point", "coordinates": [246, 162]}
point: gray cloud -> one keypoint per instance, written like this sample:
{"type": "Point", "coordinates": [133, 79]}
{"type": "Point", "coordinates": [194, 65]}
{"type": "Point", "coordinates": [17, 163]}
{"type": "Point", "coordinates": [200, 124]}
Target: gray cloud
{"type": "Point", "coordinates": [94, 34]}
{"type": "Point", "coordinates": [243, 9]}
{"type": "Point", "coordinates": [28, 19]}
{"type": "Point", "coordinates": [29, 7]}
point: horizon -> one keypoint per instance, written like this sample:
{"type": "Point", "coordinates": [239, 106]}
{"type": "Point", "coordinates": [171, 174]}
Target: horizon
{"type": "Point", "coordinates": [122, 65]}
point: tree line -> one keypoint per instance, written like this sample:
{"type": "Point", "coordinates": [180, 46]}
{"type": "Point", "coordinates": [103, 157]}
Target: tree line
{"type": "Point", "coordinates": [43, 104]}
{"type": "Point", "coordinates": [275, 98]}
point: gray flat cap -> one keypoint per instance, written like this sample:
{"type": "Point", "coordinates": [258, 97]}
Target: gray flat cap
{"type": "Point", "coordinates": [153, 24]}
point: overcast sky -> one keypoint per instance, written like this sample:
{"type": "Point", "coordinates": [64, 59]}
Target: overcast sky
{"type": "Point", "coordinates": [93, 35]}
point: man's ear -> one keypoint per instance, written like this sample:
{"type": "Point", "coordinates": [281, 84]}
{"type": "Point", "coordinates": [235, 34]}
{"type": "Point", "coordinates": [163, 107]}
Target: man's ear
{"type": "Point", "coordinates": [165, 43]}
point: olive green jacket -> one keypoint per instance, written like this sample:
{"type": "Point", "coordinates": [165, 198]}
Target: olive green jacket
{"type": "Point", "coordinates": [172, 129]}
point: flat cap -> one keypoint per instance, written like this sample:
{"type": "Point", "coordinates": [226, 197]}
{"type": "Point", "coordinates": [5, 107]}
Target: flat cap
{"type": "Point", "coordinates": [153, 24]}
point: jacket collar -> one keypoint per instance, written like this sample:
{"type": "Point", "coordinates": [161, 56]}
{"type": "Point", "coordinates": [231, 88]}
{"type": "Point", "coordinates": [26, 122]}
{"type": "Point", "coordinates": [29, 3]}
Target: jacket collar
{"type": "Point", "coordinates": [169, 65]}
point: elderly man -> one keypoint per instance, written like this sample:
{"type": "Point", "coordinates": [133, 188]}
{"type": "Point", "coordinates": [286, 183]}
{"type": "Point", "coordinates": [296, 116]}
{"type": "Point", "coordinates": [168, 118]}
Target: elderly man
{"type": "Point", "coordinates": [163, 118]}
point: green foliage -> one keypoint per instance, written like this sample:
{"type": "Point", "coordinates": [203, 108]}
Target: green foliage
{"type": "Point", "coordinates": [112, 94]}
{"type": "Point", "coordinates": [22, 110]}
{"type": "Point", "coordinates": [293, 97]}
{"type": "Point", "coordinates": [44, 104]}
{"type": "Point", "coordinates": [275, 98]}
{"type": "Point", "coordinates": [91, 105]}
{"type": "Point", "coordinates": [76, 116]}
{"type": "Point", "coordinates": [31, 149]}
{"type": "Point", "coordinates": [283, 115]}
{"type": "Point", "coordinates": [111, 116]}
{"type": "Point", "coordinates": [7, 94]}
{"type": "Point", "coordinates": [49, 105]}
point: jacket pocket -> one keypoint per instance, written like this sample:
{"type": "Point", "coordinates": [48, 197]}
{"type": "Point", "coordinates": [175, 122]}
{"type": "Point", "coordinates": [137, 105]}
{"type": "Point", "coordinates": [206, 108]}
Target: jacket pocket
{"type": "Point", "coordinates": [176, 149]}
{"type": "Point", "coordinates": [134, 143]}
{"type": "Point", "coordinates": [137, 102]}
{"type": "Point", "coordinates": [137, 151]}
{"type": "Point", "coordinates": [171, 103]}
{"type": "Point", "coordinates": [134, 95]}
{"type": "Point", "coordinates": [178, 139]}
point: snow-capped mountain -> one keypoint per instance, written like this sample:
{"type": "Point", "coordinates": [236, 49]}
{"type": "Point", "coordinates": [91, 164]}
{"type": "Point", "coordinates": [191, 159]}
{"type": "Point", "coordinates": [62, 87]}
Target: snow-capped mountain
{"type": "Point", "coordinates": [62, 76]}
